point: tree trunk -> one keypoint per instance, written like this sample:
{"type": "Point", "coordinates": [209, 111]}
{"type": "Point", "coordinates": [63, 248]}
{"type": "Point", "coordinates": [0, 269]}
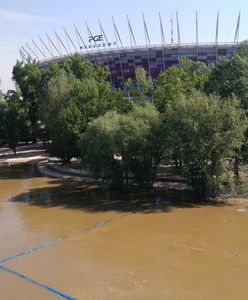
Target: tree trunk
{"type": "Point", "coordinates": [236, 167]}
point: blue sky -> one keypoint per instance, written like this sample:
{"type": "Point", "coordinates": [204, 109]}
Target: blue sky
{"type": "Point", "coordinates": [24, 20]}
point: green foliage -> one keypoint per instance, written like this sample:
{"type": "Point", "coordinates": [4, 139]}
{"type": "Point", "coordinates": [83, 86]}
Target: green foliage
{"type": "Point", "coordinates": [208, 131]}
{"type": "Point", "coordinates": [230, 77]}
{"type": "Point", "coordinates": [16, 126]}
{"type": "Point", "coordinates": [179, 80]}
{"type": "Point", "coordinates": [61, 116]}
{"type": "Point", "coordinates": [117, 144]}
{"type": "Point", "coordinates": [140, 89]}
{"type": "Point", "coordinates": [3, 106]}
{"type": "Point", "coordinates": [30, 78]}
{"type": "Point", "coordinates": [77, 92]}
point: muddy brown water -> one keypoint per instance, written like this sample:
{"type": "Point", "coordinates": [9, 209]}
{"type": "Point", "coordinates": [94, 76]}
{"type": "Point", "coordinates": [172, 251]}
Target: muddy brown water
{"type": "Point", "coordinates": [117, 247]}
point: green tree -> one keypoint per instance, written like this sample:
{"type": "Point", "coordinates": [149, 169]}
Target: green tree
{"type": "Point", "coordinates": [77, 92]}
{"type": "Point", "coordinates": [179, 80]}
{"type": "Point", "coordinates": [3, 106]}
{"type": "Point", "coordinates": [60, 116]}
{"type": "Point", "coordinates": [13, 120]}
{"type": "Point", "coordinates": [230, 77]}
{"type": "Point", "coordinates": [30, 78]}
{"type": "Point", "coordinates": [117, 145]}
{"type": "Point", "coordinates": [209, 131]}
{"type": "Point", "coordinates": [140, 89]}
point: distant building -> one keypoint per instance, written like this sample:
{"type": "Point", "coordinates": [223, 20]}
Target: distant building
{"type": "Point", "coordinates": [121, 60]}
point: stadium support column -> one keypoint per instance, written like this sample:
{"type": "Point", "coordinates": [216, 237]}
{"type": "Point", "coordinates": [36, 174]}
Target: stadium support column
{"type": "Point", "coordinates": [67, 41]}
{"type": "Point", "coordinates": [63, 45]}
{"type": "Point", "coordinates": [42, 52]}
{"type": "Point", "coordinates": [148, 42]}
{"type": "Point", "coordinates": [172, 31]}
{"type": "Point", "coordinates": [28, 55]}
{"type": "Point", "coordinates": [106, 54]}
{"type": "Point", "coordinates": [92, 51]}
{"type": "Point", "coordinates": [23, 56]}
{"type": "Point", "coordinates": [117, 40]}
{"type": "Point", "coordinates": [236, 37]}
{"type": "Point", "coordinates": [48, 50]}
{"type": "Point", "coordinates": [178, 36]}
{"type": "Point", "coordinates": [217, 37]}
{"type": "Point", "coordinates": [69, 38]}
{"type": "Point", "coordinates": [32, 51]}
{"type": "Point", "coordinates": [132, 40]}
{"type": "Point", "coordinates": [196, 35]}
{"type": "Point", "coordinates": [79, 38]}
{"type": "Point", "coordinates": [50, 41]}
{"type": "Point", "coordinates": [96, 46]}
{"type": "Point", "coordinates": [162, 38]}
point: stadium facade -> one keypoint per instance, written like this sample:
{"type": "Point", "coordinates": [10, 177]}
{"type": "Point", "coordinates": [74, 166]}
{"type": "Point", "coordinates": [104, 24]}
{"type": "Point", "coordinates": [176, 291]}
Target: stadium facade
{"type": "Point", "coordinates": [122, 61]}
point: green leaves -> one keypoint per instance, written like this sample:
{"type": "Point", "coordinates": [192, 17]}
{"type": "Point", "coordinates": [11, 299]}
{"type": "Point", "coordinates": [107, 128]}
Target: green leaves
{"type": "Point", "coordinates": [208, 131]}
{"type": "Point", "coordinates": [77, 93]}
{"type": "Point", "coordinates": [179, 80]}
{"type": "Point", "coordinates": [117, 144]}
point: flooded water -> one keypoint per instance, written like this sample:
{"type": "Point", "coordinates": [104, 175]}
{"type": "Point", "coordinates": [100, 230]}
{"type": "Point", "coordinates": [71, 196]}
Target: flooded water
{"type": "Point", "coordinates": [64, 240]}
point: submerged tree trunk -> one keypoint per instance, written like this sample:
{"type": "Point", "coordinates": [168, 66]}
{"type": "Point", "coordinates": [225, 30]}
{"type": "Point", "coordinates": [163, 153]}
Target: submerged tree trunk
{"type": "Point", "coordinates": [126, 178]}
{"type": "Point", "coordinates": [236, 167]}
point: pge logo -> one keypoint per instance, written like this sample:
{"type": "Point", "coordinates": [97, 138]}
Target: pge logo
{"type": "Point", "coordinates": [96, 38]}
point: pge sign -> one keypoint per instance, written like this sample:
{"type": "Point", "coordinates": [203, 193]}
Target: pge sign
{"type": "Point", "coordinates": [96, 38]}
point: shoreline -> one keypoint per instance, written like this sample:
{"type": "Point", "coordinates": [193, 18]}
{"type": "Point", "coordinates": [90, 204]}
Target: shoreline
{"type": "Point", "coordinates": [52, 167]}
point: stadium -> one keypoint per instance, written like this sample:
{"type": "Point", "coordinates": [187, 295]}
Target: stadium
{"type": "Point", "coordinates": [121, 59]}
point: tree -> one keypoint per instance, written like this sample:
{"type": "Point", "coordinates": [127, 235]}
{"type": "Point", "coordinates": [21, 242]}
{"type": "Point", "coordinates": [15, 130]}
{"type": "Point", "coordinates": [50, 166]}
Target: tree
{"type": "Point", "coordinates": [117, 145]}
{"type": "Point", "coordinates": [209, 131]}
{"type": "Point", "coordinates": [13, 120]}
{"type": "Point", "coordinates": [60, 116]}
{"type": "Point", "coordinates": [77, 92]}
{"type": "Point", "coordinates": [30, 78]}
{"type": "Point", "coordinates": [179, 80]}
{"type": "Point", "coordinates": [3, 106]}
{"type": "Point", "coordinates": [140, 89]}
{"type": "Point", "coordinates": [230, 77]}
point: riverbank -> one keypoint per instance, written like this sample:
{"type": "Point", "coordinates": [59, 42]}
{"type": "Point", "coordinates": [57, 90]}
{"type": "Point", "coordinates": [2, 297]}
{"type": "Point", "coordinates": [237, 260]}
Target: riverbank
{"type": "Point", "coordinates": [31, 153]}
{"type": "Point", "coordinates": [52, 167]}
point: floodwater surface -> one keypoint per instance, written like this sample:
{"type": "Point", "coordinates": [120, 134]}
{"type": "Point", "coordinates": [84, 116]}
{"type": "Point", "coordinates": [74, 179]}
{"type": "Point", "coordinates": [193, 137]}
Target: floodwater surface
{"type": "Point", "coordinates": [66, 240]}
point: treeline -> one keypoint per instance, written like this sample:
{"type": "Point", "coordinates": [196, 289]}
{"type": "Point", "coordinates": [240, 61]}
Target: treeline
{"type": "Point", "coordinates": [193, 116]}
